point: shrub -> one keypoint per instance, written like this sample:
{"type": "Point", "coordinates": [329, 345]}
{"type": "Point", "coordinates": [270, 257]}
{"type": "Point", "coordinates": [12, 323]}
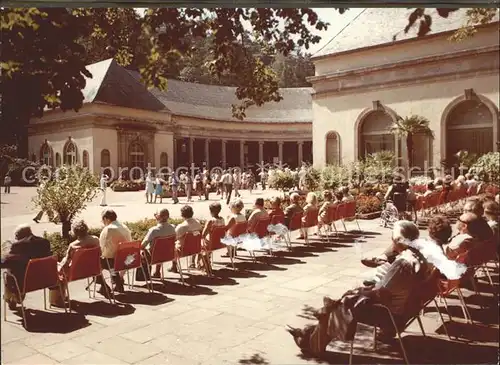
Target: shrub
{"type": "Point", "coordinates": [282, 180]}
{"type": "Point", "coordinates": [66, 194]}
{"type": "Point", "coordinates": [378, 167]}
{"type": "Point", "coordinates": [367, 204]}
{"type": "Point", "coordinates": [332, 177]}
{"type": "Point", "coordinates": [312, 179]}
{"type": "Point", "coordinates": [487, 167]}
{"type": "Point", "coordinates": [128, 185]}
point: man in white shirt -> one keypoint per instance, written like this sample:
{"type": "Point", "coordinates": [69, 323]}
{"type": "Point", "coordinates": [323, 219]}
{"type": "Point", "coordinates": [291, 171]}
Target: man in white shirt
{"type": "Point", "coordinates": [103, 185]}
{"type": "Point", "coordinates": [237, 182]}
{"type": "Point", "coordinates": [111, 236]}
{"type": "Point", "coordinates": [227, 181]}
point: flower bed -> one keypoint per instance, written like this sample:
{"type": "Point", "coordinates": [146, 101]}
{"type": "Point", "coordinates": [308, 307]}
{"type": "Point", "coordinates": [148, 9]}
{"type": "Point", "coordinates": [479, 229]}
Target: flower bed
{"type": "Point", "coordinates": [128, 185]}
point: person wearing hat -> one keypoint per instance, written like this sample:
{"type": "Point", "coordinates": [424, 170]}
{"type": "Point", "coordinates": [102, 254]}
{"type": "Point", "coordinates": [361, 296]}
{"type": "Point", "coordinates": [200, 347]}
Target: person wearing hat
{"type": "Point", "coordinates": [397, 192]}
{"type": "Point", "coordinates": [447, 186]}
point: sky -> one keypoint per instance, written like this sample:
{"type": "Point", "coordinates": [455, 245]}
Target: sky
{"type": "Point", "coordinates": [330, 15]}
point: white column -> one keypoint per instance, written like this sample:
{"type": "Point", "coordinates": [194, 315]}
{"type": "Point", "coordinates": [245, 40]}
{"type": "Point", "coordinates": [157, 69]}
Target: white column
{"type": "Point", "coordinates": [207, 152]}
{"type": "Point", "coordinates": [300, 143]}
{"type": "Point", "coordinates": [261, 152]}
{"type": "Point", "coordinates": [191, 151]}
{"type": "Point", "coordinates": [242, 154]}
{"type": "Point", "coordinates": [280, 152]}
{"type": "Point", "coordinates": [224, 142]}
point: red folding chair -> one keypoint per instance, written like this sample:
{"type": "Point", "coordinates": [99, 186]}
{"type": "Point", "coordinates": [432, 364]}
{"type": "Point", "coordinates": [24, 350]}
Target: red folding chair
{"type": "Point", "coordinates": [341, 210]}
{"type": "Point", "coordinates": [191, 247]}
{"type": "Point", "coordinates": [262, 232]}
{"type": "Point", "coordinates": [85, 264]}
{"type": "Point", "coordinates": [294, 225]}
{"type": "Point", "coordinates": [216, 235]}
{"type": "Point", "coordinates": [127, 258]}
{"type": "Point", "coordinates": [310, 220]}
{"type": "Point", "coordinates": [326, 225]}
{"type": "Point", "coordinates": [350, 212]}
{"type": "Point", "coordinates": [163, 250]}
{"type": "Point", "coordinates": [279, 219]}
{"type": "Point", "coordinates": [238, 229]}
{"type": "Point", "coordinates": [40, 274]}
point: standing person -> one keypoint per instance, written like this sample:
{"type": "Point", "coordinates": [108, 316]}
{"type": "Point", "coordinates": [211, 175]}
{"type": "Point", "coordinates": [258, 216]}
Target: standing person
{"type": "Point", "coordinates": [188, 186]}
{"type": "Point", "coordinates": [227, 180]}
{"type": "Point", "coordinates": [198, 180]}
{"type": "Point", "coordinates": [302, 177]}
{"type": "Point", "coordinates": [237, 182]}
{"type": "Point", "coordinates": [207, 183]}
{"type": "Point", "coordinates": [159, 188]}
{"type": "Point", "coordinates": [251, 181]}
{"type": "Point", "coordinates": [174, 185]}
{"type": "Point", "coordinates": [103, 184]}
{"type": "Point", "coordinates": [263, 179]}
{"type": "Point", "coordinates": [6, 183]}
{"type": "Point", "coordinates": [41, 212]}
{"type": "Point", "coordinates": [150, 188]}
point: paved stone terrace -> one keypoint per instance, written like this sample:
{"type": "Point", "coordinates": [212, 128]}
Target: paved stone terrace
{"type": "Point", "coordinates": [239, 317]}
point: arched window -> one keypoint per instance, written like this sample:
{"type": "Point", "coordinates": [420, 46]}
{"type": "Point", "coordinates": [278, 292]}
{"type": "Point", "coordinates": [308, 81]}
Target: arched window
{"type": "Point", "coordinates": [163, 159]}
{"type": "Point", "coordinates": [375, 134]}
{"type": "Point", "coordinates": [85, 159]}
{"type": "Point", "coordinates": [105, 158]}
{"type": "Point", "coordinates": [469, 127]}
{"type": "Point", "coordinates": [70, 153]}
{"type": "Point", "coordinates": [58, 159]}
{"type": "Point", "coordinates": [46, 154]}
{"type": "Point", "coordinates": [137, 159]}
{"type": "Point", "coordinates": [332, 148]}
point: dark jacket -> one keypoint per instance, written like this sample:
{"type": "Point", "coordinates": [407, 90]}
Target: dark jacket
{"type": "Point", "coordinates": [21, 252]}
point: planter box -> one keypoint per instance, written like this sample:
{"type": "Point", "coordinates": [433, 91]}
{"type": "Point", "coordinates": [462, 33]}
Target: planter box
{"type": "Point", "coordinates": [120, 189]}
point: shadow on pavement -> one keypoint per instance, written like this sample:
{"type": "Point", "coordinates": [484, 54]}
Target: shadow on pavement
{"type": "Point", "coordinates": [257, 266]}
{"type": "Point", "coordinates": [294, 253]}
{"type": "Point", "coordinates": [279, 260]}
{"type": "Point", "coordinates": [102, 309]}
{"type": "Point", "coordinates": [472, 332]}
{"type": "Point", "coordinates": [216, 280]}
{"type": "Point", "coordinates": [256, 359]}
{"type": "Point", "coordinates": [145, 298]}
{"type": "Point", "coordinates": [242, 274]}
{"type": "Point", "coordinates": [53, 322]}
{"type": "Point", "coordinates": [170, 287]}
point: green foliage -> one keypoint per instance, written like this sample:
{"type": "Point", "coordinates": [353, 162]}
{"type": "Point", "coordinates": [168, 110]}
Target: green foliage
{"type": "Point", "coordinates": [465, 158]}
{"type": "Point", "coordinates": [67, 193]}
{"type": "Point", "coordinates": [282, 180]}
{"type": "Point", "coordinates": [312, 178]}
{"type": "Point", "coordinates": [378, 167]}
{"type": "Point", "coordinates": [367, 204]}
{"type": "Point", "coordinates": [475, 17]}
{"type": "Point", "coordinates": [487, 167]}
{"type": "Point", "coordinates": [11, 163]}
{"type": "Point", "coordinates": [334, 176]}
{"type": "Point", "coordinates": [407, 128]}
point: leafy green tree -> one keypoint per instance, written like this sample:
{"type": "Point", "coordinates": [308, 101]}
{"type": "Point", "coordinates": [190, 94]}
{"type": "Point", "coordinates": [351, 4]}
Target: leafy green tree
{"type": "Point", "coordinates": [66, 194]}
{"type": "Point", "coordinates": [407, 128]}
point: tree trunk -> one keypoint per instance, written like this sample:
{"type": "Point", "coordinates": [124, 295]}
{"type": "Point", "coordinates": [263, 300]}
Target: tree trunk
{"type": "Point", "coordinates": [66, 228]}
{"type": "Point", "coordinates": [409, 149]}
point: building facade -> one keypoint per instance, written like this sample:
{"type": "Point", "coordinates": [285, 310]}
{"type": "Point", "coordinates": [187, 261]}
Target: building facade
{"type": "Point", "coordinates": [365, 80]}
{"type": "Point", "coordinates": [123, 125]}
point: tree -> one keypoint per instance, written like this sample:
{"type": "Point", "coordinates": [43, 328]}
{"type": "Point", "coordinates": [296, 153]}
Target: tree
{"type": "Point", "coordinates": [67, 194]}
{"type": "Point", "coordinates": [407, 128]}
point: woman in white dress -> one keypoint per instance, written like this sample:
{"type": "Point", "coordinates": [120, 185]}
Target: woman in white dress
{"type": "Point", "coordinates": [150, 188]}
{"type": "Point", "coordinates": [236, 216]}
{"type": "Point", "coordinates": [103, 185]}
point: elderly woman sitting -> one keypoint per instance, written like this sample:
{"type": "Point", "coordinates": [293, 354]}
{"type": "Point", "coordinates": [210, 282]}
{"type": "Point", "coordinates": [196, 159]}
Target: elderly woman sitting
{"type": "Point", "coordinates": [83, 240]}
{"type": "Point", "coordinates": [325, 207]}
{"type": "Point", "coordinates": [292, 209]}
{"type": "Point", "coordinates": [258, 213]}
{"type": "Point", "coordinates": [311, 205]}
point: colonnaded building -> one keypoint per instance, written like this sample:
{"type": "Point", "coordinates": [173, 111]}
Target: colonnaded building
{"type": "Point", "coordinates": [122, 124]}
{"type": "Point", "coordinates": [365, 79]}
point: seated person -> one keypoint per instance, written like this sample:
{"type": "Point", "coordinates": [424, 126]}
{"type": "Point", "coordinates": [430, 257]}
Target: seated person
{"type": "Point", "coordinates": [339, 197]}
{"type": "Point", "coordinates": [460, 183]}
{"type": "Point", "coordinates": [26, 246]}
{"type": "Point", "coordinates": [162, 229]}
{"type": "Point", "coordinates": [189, 225]}
{"type": "Point", "coordinates": [292, 209]}
{"type": "Point", "coordinates": [439, 230]}
{"type": "Point", "coordinates": [275, 208]}
{"type": "Point", "coordinates": [236, 216]}
{"type": "Point", "coordinates": [83, 240]}
{"type": "Point", "coordinates": [323, 217]}
{"type": "Point", "coordinates": [471, 183]}
{"type": "Point", "coordinates": [347, 197]}
{"type": "Point", "coordinates": [311, 206]}
{"type": "Point", "coordinates": [215, 220]}
{"type": "Point", "coordinates": [475, 206]}
{"type": "Point", "coordinates": [491, 212]}
{"type": "Point", "coordinates": [447, 186]}
{"type": "Point", "coordinates": [468, 227]}
{"type": "Point", "coordinates": [438, 183]}
{"type": "Point", "coordinates": [258, 213]}
{"type": "Point", "coordinates": [429, 189]}
{"type": "Point", "coordinates": [402, 230]}
{"type": "Point", "coordinates": [111, 236]}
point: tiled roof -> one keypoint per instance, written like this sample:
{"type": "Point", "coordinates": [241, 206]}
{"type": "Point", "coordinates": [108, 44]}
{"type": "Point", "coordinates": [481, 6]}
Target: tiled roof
{"type": "Point", "coordinates": [376, 26]}
{"type": "Point", "coordinates": [114, 85]}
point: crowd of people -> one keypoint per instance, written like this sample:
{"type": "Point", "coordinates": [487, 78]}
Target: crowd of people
{"type": "Point", "coordinates": [405, 274]}
{"type": "Point", "coordinates": [223, 182]}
